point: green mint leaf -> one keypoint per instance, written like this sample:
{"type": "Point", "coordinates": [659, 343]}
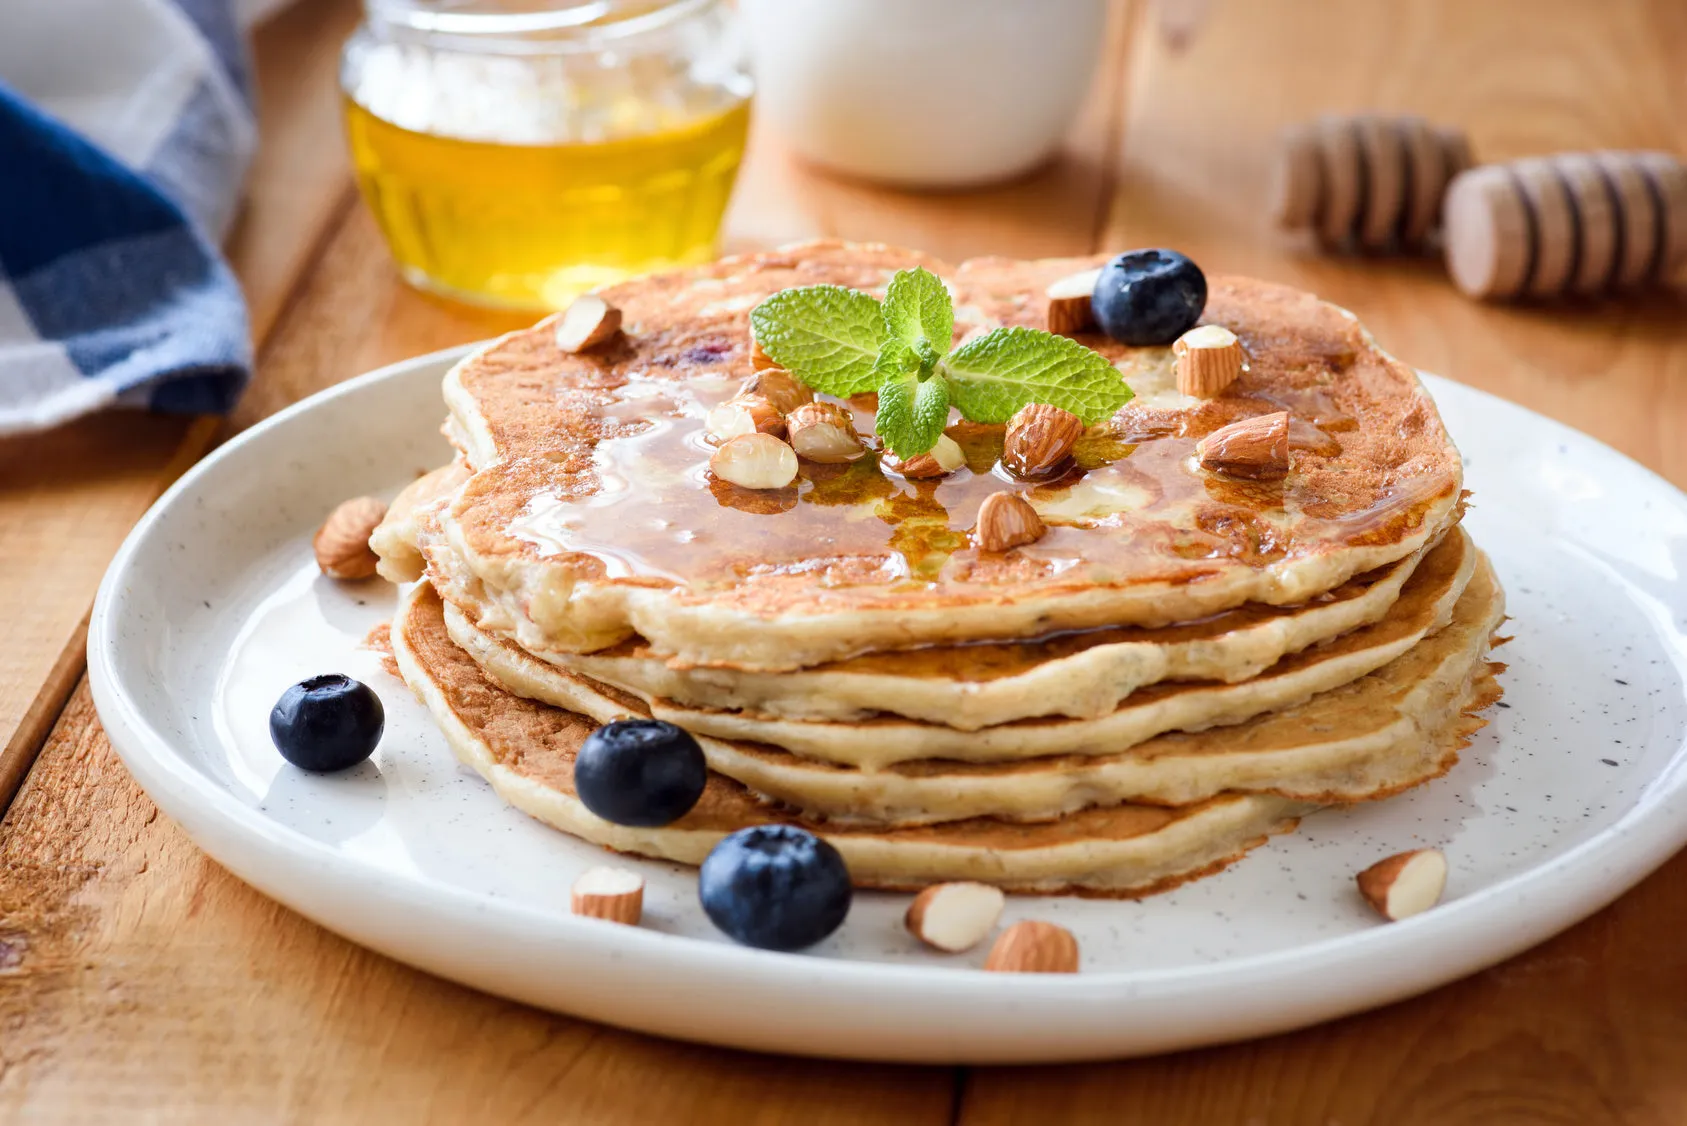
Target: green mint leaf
{"type": "Point", "coordinates": [912, 412]}
{"type": "Point", "coordinates": [994, 375]}
{"type": "Point", "coordinates": [828, 336]}
{"type": "Point", "coordinates": [931, 414]}
{"type": "Point", "coordinates": [894, 420]}
{"type": "Point", "coordinates": [917, 307]}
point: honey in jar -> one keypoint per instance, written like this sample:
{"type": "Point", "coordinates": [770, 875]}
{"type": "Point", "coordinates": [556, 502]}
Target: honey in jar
{"type": "Point", "coordinates": [517, 154]}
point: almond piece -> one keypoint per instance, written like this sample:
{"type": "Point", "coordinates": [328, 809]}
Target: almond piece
{"type": "Point", "coordinates": [1034, 947]}
{"type": "Point", "coordinates": [1406, 884]}
{"type": "Point", "coordinates": [1006, 520]}
{"type": "Point", "coordinates": [588, 322]}
{"type": "Point", "coordinates": [954, 917]}
{"type": "Point", "coordinates": [1208, 358]}
{"type": "Point", "coordinates": [824, 432]}
{"type": "Point", "coordinates": [1255, 448]}
{"type": "Point", "coordinates": [342, 543]}
{"type": "Point", "coordinates": [1069, 311]}
{"type": "Point", "coordinates": [747, 414]}
{"type": "Point", "coordinates": [1039, 438]}
{"type": "Point", "coordinates": [755, 461]}
{"type": "Point", "coordinates": [758, 359]}
{"type": "Point", "coordinates": [944, 457]}
{"type": "Point", "coordinates": [609, 893]}
{"type": "Point", "coordinates": [778, 387]}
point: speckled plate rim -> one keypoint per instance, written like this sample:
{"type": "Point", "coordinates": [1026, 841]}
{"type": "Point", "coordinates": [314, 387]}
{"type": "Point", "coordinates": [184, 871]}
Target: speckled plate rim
{"type": "Point", "coordinates": [721, 994]}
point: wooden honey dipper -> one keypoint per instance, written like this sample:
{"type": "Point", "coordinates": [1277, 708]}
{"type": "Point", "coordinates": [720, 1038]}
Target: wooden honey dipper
{"type": "Point", "coordinates": [1369, 182]}
{"type": "Point", "coordinates": [1574, 223]}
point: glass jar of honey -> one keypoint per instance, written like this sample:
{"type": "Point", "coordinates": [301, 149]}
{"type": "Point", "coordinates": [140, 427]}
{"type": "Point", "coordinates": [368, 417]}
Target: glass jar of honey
{"type": "Point", "coordinates": [519, 152]}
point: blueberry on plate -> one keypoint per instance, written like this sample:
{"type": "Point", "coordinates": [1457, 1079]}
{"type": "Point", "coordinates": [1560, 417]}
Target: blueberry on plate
{"type": "Point", "coordinates": [1149, 297]}
{"type": "Point", "coordinates": [641, 772]}
{"type": "Point", "coordinates": [776, 887]}
{"type": "Point", "coordinates": [327, 723]}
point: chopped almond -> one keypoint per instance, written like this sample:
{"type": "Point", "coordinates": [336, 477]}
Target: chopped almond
{"type": "Point", "coordinates": [1069, 311]}
{"type": "Point", "coordinates": [1007, 520]}
{"type": "Point", "coordinates": [589, 322]}
{"type": "Point", "coordinates": [1255, 448]}
{"type": "Point", "coordinates": [1034, 947]}
{"type": "Point", "coordinates": [1039, 438]}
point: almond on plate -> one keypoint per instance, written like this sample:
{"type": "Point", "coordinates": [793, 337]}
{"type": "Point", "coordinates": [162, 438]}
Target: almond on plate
{"type": "Point", "coordinates": [1039, 438]}
{"type": "Point", "coordinates": [1255, 448]}
{"type": "Point", "coordinates": [1405, 884]}
{"type": "Point", "coordinates": [615, 894]}
{"type": "Point", "coordinates": [588, 322]}
{"type": "Point", "coordinates": [342, 543]}
{"type": "Point", "coordinates": [955, 917]}
{"type": "Point", "coordinates": [755, 461]}
{"type": "Point", "coordinates": [1034, 947]}
{"type": "Point", "coordinates": [824, 432]}
{"type": "Point", "coordinates": [1007, 520]}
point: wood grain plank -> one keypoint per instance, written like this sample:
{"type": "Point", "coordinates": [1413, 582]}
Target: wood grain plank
{"type": "Point", "coordinates": [301, 176]}
{"type": "Point", "coordinates": [68, 497]}
{"type": "Point", "coordinates": [1587, 1028]}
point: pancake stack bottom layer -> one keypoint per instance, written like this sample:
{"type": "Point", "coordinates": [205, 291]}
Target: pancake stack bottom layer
{"type": "Point", "coordinates": [1184, 667]}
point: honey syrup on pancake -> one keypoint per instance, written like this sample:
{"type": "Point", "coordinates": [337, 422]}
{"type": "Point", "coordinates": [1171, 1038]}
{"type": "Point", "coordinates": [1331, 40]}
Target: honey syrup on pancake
{"type": "Point", "coordinates": [658, 514]}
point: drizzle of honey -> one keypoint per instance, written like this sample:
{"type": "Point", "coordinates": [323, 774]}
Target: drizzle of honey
{"type": "Point", "coordinates": [1130, 510]}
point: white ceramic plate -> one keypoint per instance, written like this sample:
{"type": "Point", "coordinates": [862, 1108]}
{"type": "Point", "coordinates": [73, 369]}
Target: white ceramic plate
{"type": "Point", "coordinates": [1575, 792]}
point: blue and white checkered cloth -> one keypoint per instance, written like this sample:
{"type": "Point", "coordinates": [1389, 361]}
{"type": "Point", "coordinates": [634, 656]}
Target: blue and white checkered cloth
{"type": "Point", "coordinates": [125, 130]}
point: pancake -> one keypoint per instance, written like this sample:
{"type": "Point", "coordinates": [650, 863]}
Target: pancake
{"type": "Point", "coordinates": [526, 751]}
{"type": "Point", "coordinates": [1395, 728]}
{"type": "Point", "coordinates": [968, 686]}
{"type": "Point", "coordinates": [590, 516]}
{"type": "Point", "coordinates": [1424, 606]}
{"type": "Point", "coordinates": [1082, 675]}
{"type": "Point", "coordinates": [394, 541]}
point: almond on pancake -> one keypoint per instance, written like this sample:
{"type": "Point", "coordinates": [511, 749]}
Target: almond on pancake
{"type": "Point", "coordinates": [589, 516]}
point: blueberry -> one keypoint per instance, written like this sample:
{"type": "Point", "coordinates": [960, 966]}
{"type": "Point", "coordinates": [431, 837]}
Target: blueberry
{"type": "Point", "coordinates": [1149, 297]}
{"type": "Point", "coordinates": [640, 772]}
{"type": "Point", "coordinates": [327, 723]}
{"type": "Point", "coordinates": [776, 887]}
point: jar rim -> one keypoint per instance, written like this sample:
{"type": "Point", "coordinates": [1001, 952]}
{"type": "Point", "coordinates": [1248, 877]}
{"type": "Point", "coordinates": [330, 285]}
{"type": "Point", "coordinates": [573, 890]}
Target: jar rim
{"type": "Point", "coordinates": [561, 26]}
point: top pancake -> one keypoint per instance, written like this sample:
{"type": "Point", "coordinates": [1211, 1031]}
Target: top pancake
{"type": "Point", "coordinates": [590, 514]}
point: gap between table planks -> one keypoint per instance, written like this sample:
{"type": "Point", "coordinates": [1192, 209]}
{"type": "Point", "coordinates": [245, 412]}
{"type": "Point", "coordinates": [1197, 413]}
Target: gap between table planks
{"type": "Point", "coordinates": [136, 974]}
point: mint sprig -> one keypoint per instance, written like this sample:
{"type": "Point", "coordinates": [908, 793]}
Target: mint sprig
{"type": "Point", "coordinates": [843, 342]}
{"type": "Point", "coordinates": [912, 411]}
{"type": "Point", "coordinates": [917, 307]}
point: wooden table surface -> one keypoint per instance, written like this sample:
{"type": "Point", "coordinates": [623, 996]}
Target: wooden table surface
{"type": "Point", "coordinates": [140, 982]}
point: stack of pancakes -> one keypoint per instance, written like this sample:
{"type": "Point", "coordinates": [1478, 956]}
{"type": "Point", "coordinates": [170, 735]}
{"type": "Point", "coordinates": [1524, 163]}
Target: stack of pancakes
{"type": "Point", "coordinates": [1183, 665]}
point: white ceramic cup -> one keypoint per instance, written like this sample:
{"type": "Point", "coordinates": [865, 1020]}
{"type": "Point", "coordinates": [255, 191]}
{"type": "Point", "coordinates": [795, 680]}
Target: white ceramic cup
{"type": "Point", "coordinates": [927, 93]}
